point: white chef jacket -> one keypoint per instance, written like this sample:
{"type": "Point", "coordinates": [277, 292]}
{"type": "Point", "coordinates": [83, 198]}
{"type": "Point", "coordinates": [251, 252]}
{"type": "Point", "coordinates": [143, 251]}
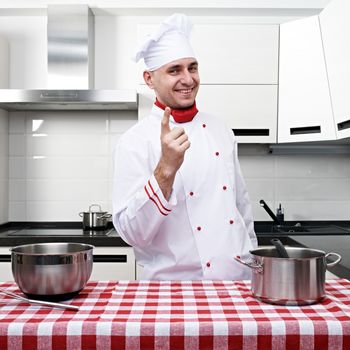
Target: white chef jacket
{"type": "Point", "coordinates": [207, 220]}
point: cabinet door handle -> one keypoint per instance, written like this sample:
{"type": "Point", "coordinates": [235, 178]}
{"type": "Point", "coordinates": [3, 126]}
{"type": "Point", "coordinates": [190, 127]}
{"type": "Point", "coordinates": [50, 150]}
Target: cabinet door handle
{"type": "Point", "coordinates": [344, 125]}
{"type": "Point", "coordinates": [121, 258]}
{"type": "Point", "coordinates": [251, 132]}
{"type": "Point", "coordinates": [306, 130]}
{"type": "Point", "coordinates": [5, 258]}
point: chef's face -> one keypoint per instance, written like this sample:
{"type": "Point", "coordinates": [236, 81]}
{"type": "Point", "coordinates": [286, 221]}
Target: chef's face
{"type": "Point", "coordinates": [176, 83]}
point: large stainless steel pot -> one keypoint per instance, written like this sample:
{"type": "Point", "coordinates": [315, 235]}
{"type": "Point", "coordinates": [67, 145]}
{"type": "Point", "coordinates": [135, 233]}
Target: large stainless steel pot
{"type": "Point", "coordinates": [297, 280]}
{"type": "Point", "coordinates": [95, 220]}
{"type": "Point", "coordinates": [52, 271]}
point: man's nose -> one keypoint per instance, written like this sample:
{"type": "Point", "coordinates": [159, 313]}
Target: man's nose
{"type": "Point", "coordinates": [187, 78]}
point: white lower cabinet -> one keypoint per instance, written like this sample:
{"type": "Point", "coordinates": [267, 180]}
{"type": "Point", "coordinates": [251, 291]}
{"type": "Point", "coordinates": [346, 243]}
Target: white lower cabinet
{"type": "Point", "coordinates": [110, 263]}
{"type": "Point", "coordinates": [5, 265]}
{"type": "Point", "coordinates": [113, 263]}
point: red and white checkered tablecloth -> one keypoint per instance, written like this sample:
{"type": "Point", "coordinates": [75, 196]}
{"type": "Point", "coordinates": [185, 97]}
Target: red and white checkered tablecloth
{"type": "Point", "coordinates": [176, 315]}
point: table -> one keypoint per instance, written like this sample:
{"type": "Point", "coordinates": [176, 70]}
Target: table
{"type": "Point", "coordinates": [176, 315]}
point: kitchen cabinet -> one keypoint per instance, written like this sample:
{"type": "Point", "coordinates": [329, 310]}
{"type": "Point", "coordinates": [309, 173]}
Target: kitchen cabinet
{"type": "Point", "coordinates": [305, 111]}
{"type": "Point", "coordinates": [238, 66]}
{"type": "Point", "coordinates": [232, 53]}
{"type": "Point", "coordinates": [236, 53]}
{"type": "Point", "coordinates": [4, 63]}
{"type": "Point", "coordinates": [250, 110]}
{"type": "Point", "coordinates": [5, 264]}
{"type": "Point", "coordinates": [120, 264]}
{"type": "Point", "coordinates": [335, 29]}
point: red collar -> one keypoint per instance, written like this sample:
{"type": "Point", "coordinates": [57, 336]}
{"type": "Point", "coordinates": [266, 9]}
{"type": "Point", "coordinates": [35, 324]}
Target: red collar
{"type": "Point", "coordinates": [180, 115]}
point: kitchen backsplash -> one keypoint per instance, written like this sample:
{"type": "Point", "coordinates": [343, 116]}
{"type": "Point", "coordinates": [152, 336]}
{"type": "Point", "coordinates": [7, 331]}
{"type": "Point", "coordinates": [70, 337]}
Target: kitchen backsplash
{"type": "Point", "coordinates": [4, 152]}
{"type": "Point", "coordinates": [61, 162]}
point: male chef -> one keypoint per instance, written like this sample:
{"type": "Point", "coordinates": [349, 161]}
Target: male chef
{"type": "Point", "coordinates": [179, 196]}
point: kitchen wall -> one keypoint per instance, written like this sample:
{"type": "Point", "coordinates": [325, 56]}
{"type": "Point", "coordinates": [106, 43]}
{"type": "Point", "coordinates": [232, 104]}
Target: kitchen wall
{"type": "Point", "coordinates": [4, 168]}
{"type": "Point", "coordinates": [4, 144]}
{"type": "Point", "coordinates": [61, 162]}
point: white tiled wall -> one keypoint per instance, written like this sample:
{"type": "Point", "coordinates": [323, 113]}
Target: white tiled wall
{"type": "Point", "coordinates": [4, 149]}
{"type": "Point", "coordinates": [61, 162]}
{"type": "Point", "coordinates": [308, 186]}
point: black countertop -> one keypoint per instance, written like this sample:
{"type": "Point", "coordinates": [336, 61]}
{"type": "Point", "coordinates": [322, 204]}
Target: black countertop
{"type": "Point", "coordinates": [329, 236]}
{"type": "Point", "coordinates": [13, 234]}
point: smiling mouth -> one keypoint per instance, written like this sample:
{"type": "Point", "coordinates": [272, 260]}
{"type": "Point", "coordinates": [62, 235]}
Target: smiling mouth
{"type": "Point", "coordinates": [184, 91]}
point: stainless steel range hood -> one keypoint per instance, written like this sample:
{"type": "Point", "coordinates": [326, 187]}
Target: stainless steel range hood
{"type": "Point", "coordinates": [70, 79]}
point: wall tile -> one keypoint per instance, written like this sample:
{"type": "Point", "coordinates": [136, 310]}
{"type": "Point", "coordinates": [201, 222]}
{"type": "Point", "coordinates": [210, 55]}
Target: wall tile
{"type": "Point", "coordinates": [59, 210]}
{"type": "Point", "coordinates": [17, 122]}
{"type": "Point", "coordinates": [67, 145]}
{"type": "Point", "coordinates": [17, 168]}
{"type": "Point", "coordinates": [313, 166]}
{"type": "Point", "coordinates": [67, 122]}
{"type": "Point", "coordinates": [312, 189]}
{"type": "Point", "coordinates": [17, 190]}
{"type": "Point", "coordinates": [17, 145]}
{"type": "Point", "coordinates": [257, 166]}
{"type": "Point", "coordinates": [121, 121]}
{"type": "Point", "coordinates": [317, 210]}
{"type": "Point", "coordinates": [70, 168]}
{"type": "Point", "coordinates": [67, 190]}
{"type": "Point", "coordinates": [17, 211]}
{"type": "Point", "coordinates": [4, 167]}
{"type": "Point", "coordinates": [260, 189]}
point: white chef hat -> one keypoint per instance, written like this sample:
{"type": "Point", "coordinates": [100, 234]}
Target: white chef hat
{"type": "Point", "coordinates": [169, 43]}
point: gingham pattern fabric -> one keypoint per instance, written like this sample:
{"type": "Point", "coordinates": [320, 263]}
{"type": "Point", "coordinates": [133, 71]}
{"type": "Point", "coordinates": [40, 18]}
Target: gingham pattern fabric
{"type": "Point", "coordinates": [177, 315]}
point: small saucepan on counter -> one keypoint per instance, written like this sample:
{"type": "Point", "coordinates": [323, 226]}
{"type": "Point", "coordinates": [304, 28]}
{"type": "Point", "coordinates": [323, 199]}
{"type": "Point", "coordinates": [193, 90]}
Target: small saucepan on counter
{"type": "Point", "coordinates": [95, 220]}
{"type": "Point", "coordinates": [298, 279]}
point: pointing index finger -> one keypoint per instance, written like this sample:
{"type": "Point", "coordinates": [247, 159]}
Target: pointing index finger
{"type": "Point", "coordinates": [165, 128]}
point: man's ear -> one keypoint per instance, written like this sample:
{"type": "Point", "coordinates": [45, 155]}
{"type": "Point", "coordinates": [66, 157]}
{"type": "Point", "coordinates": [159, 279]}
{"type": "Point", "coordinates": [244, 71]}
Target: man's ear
{"type": "Point", "coordinates": [147, 77]}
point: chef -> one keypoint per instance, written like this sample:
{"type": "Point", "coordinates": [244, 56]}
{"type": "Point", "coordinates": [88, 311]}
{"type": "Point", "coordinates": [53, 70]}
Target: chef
{"type": "Point", "coordinates": [179, 197]}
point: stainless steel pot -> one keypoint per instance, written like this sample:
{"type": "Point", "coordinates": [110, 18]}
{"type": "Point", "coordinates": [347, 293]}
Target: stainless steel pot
{"type": "Point", "coordinates": [296, 280]}
{"type": "Point", "coordinates": [95, 220]}
{"type": "Point", "coordinates": [52, 271]}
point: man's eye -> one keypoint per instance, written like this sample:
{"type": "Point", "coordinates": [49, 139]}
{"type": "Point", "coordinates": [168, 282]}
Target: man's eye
{"type": "Point", "coordinates": [193, 69]}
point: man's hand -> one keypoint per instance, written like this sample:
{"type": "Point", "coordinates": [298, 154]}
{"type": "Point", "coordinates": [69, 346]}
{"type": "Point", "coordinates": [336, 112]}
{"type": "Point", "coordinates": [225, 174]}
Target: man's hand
{"type": "Point", "coordinates": [174, 143]}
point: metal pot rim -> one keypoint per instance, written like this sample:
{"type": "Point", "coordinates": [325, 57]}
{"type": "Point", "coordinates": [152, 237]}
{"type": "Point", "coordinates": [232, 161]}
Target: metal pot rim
{"type": "Point", "coordinates": [87, 248]}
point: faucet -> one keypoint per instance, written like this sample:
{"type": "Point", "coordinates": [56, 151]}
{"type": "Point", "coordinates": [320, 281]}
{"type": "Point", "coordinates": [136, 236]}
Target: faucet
{"type": "Point", "coordinates": [279, 219]}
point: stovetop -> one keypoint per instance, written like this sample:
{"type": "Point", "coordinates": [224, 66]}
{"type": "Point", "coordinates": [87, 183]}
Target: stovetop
{"type": "Point", "coordinates": [59, 232]}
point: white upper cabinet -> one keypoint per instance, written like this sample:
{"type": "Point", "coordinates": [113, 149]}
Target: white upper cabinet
{"type": "Point", "coordinates": [249, 110]}
{"type": "Point", "coordinates": [232, 53]}
{"type": "Point", "coordinates": [238, 67]}
{"type": "Point", "coordinates": [236, 53]}
{"type": "Point", "coordinates": [4, 63]}
{"type": "Point", "coordinates": [335, 29]}
{"type": "Point", "coordinates": [305, 110]}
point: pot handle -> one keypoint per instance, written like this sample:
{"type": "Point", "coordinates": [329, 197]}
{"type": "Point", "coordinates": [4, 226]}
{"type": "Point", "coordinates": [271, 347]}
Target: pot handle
{"type": "Point", "coordinates": [333, 263]}
{"type": "Point", "coordinates": [105, 216]}
{"type": "Point", "coordinates": [255, 266]}
{"type": "Point", "coordinates": [94, 205]}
